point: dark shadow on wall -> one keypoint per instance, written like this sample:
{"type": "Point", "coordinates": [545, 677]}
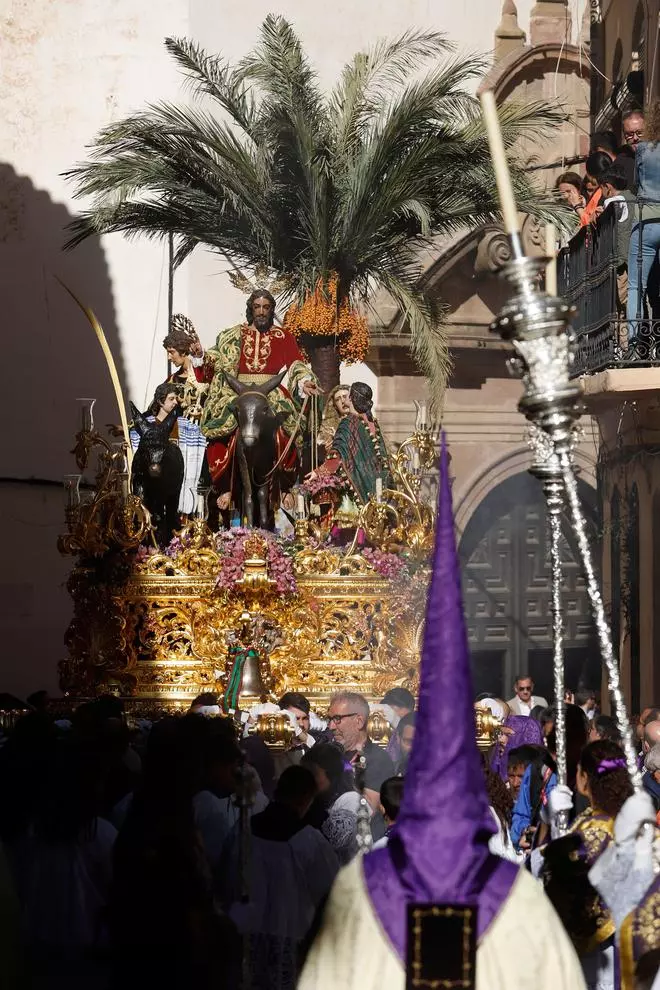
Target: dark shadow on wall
{"type": "Point", "coordinates": [53, 356]}
{"type": "Point", "coordinates": [50, 358]}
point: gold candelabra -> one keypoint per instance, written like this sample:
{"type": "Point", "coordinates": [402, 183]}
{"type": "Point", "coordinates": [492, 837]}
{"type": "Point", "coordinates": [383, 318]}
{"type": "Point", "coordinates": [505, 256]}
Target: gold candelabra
{"type": "Point", "coordinates": [399, 519]}
{"type": "Point", "coordinates": [110, 515]}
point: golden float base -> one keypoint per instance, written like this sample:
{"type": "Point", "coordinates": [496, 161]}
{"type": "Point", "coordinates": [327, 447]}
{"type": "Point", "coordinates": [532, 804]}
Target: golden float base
{"type": "Point", "coordinates": [156, 631]}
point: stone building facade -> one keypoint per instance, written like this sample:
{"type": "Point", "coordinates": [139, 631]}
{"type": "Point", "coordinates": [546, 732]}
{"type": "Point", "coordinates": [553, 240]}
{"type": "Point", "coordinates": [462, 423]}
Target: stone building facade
{"type": "Point", "coordinates": [622, 394]}
{"type": "Point", "coordinates": [500, 513]}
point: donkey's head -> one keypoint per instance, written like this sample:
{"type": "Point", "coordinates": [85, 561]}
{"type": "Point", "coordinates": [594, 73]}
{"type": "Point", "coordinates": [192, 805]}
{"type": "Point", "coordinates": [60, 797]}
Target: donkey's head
{"type": "Point", "coordinates": [154, 438]}
{"type": "Point", "coordinates": [252, 409]}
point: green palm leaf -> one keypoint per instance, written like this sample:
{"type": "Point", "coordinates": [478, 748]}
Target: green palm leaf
{"type": "Point", "coordinates": [264, 168]}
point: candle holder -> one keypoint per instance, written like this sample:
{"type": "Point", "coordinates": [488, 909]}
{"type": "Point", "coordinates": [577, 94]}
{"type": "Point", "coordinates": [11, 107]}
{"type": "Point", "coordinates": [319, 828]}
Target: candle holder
{"type": "Point", "coordinates": [202, 502]}
{"type": "Point", "coordinates": [71, 492]}
{"type": "Point", "coordinates": [300, 513]}
{"type": "Point", "coordinates": [537, 326]}
{"type": "Point", "coordinates": [86, 407]}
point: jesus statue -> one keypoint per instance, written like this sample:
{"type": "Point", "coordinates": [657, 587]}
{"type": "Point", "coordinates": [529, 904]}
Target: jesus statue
{"type": "Point", "coordinates": [253, 352]}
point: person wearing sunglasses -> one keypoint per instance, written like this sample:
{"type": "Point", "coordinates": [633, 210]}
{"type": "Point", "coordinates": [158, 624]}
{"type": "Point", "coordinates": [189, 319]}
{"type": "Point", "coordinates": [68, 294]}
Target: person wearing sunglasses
{"type": "Point", "coordinates": [348, 716]}
{"type": "Point", "coordinates": [525, 699]}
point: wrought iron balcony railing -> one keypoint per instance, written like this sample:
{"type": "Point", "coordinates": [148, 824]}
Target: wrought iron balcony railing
{"type": "Point", "coordinates": [589, 273]}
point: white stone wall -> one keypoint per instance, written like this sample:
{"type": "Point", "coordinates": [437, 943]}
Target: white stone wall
{"type": "Point", "coordinates": [66, 69]}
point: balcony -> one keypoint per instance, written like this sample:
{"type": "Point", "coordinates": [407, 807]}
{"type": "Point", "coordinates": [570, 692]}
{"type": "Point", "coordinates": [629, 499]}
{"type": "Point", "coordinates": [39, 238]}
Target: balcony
{"type": "Point", "coordinates": [587, 274]}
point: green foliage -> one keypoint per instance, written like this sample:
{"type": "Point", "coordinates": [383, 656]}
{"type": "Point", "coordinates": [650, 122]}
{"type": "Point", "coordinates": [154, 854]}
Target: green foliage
{"type": "Point", "coordinates": [264, 168]}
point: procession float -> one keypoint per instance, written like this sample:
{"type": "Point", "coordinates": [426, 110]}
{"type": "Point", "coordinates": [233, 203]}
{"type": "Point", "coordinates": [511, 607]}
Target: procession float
{"type": "Point", "coordinates": [173, 599]}
{"type": "Point", "coordinates": [334, 603]}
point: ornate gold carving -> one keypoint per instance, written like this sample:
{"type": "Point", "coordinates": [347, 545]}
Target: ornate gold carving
{"type": "Point", "coordinates": [488, 727]}
{"type": "Point", "coordinates": [164, 636]}
{"type": "Point", "coordinates": [113, 518]}
{"type": "Point", "coordinates": [154, 626]}
{"type": "Point", "coordinates": [327, 562]}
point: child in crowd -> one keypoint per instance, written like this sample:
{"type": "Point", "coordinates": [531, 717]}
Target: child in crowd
{"type": "Point", "coordinates": [391, 796]}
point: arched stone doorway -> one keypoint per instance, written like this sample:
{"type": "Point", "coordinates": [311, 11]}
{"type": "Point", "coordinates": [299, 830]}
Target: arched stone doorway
{"type": "Point", "coordinates": [507, 591]}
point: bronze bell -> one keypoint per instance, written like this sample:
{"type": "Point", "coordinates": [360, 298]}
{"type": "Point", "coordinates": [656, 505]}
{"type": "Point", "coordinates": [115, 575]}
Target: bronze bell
{"type": "Point", "coordinates": [252, 685]}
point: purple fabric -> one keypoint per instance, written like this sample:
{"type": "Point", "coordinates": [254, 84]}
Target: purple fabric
{"type": "Point", "coordinates": [526, 732]}
{"type": "Point", "coordinates": [394, 748]}
{"type": "Point", "coordinates": [438, 849]}
{"type": "Point", "coordinates": [606, 765]}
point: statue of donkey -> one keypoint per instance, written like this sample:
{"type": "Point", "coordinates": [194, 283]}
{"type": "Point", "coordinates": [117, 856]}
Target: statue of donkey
{"type": "Point", "coordinates": [256, 448]}
{"type": "Point", "coordinates": [158, 472]}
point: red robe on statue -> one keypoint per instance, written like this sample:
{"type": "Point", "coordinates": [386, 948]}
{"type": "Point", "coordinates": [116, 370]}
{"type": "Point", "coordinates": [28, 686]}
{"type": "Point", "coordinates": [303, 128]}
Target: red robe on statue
{"type": "Point", "coordinates": [253, 356]}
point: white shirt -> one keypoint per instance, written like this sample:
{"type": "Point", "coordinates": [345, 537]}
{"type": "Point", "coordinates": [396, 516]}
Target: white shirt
{"type": "Point", "coordinates": [214, 817]}
{"type": "Point", "coordinates": [63, 887]}
{"type": "Point", "coordinates": [519, 707]}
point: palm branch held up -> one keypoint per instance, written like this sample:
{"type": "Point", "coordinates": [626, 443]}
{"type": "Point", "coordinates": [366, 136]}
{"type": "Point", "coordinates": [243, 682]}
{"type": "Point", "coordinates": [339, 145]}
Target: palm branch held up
{"type": "Point", "coordinates": [265, 168]}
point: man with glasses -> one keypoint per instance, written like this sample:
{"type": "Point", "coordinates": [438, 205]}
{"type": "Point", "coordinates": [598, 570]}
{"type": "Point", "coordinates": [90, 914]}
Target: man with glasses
{"type": "Point", "coordinates": [525, 699]}
{"type": "Point", "coordinates": [348, 716]}
{"type": "Point", "coordinates": [633, 128]}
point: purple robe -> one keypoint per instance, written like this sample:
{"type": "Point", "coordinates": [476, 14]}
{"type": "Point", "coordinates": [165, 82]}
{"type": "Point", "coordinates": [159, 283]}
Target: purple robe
{"type": "Point", "coordinates": [526, 732]}
{"type": "Point", "coordinates": [438, 848]}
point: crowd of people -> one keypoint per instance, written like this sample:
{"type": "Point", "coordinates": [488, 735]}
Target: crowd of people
{"type": "Point", "coordinates": [598, 787]}
{"type": "Point", "coordinates": [123, 855]}
{"type": "Point", "coordinates": [122, 851]}
{"type": "Point", "coordinates": [625, 175]}
{"type": "Point", "coordinates": [186, 852]}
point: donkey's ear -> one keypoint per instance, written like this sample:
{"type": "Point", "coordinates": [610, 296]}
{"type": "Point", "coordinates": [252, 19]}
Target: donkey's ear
{"type": "Point", "coordinates": [273, 382]}
{"type": "Point", "coordinates": [139, 422]}
{"type": "Point", "coordinates": [169, 422]}
{"type": "Point", "coordinates": [234, 383]}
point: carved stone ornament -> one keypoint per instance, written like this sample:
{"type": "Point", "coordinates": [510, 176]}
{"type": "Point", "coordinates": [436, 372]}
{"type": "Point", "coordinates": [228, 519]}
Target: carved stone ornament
{"type": "Point", "coordinates": [493, 252]}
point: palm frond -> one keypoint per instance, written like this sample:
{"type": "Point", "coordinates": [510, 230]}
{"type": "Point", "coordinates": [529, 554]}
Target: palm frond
{"type": "Point", "coordinates": [423, 318]}
{"type": "Point", "coordinates": [372, 75]}
{"type": "Point", "coordinates": [214, 77]}
{"type": "Point", "coordinates": [283, 72]}
{"type": "Point", "coordinates": [263, 168]}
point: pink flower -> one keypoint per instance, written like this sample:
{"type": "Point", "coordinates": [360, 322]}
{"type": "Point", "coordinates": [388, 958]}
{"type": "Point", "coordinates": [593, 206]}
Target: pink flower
{"type": "Point", "coordinates": [231, 547]}
{"type": "Point", "coordinates": [388, 565]}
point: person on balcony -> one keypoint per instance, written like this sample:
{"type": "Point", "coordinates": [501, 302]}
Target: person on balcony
{"type": "Point", "coordinates": [615, 192]}
{"type": "Point", "coordinates": [597, 165]}
{"type": "Point", "coordinates": [645, 237]}
{"type": "Point", "coordinates": [623, 157]}
{"type": "Point", "coordinates": [634, 128]}
{"type": "Point", "coordinates": [569, 187]}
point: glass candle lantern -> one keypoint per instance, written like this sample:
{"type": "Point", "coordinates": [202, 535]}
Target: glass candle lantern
{"type": "Point", "coordinates": [86, 407]}
{"type": "Point", "coordinates": [72, 491]}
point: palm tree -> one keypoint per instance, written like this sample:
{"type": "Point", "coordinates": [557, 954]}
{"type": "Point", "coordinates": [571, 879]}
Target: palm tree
{"type": "Point", "coordinates": [335, 193]}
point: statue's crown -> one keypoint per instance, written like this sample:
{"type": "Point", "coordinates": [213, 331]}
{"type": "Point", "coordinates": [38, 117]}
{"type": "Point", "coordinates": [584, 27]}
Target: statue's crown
{"type": "Point", "coordinates": [262, 279]}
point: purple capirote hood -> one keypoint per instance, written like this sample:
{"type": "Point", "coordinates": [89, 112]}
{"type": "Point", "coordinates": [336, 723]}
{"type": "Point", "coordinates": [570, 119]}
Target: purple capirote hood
{"type": "Point", "coordinates": [438, 849]}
